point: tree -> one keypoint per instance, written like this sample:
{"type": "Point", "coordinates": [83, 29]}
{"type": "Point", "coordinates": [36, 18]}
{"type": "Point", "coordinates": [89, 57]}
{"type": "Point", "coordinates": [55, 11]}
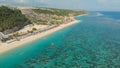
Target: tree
{"type": "Point", "coordinates": [34, 29]}
{"type": "Point", "coordinates": [11, 19]}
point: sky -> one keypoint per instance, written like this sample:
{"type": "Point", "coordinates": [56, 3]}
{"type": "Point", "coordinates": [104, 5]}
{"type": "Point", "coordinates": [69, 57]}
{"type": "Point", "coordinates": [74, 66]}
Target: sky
{"type": "Point", "coordinates": [91, 5]}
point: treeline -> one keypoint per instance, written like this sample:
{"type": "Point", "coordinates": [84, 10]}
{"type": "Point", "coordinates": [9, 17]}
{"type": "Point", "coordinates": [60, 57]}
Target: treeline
{"type": "Point", "coordinates": [59, 12]}
{"type": "Point", "coordinates": [11, 19]}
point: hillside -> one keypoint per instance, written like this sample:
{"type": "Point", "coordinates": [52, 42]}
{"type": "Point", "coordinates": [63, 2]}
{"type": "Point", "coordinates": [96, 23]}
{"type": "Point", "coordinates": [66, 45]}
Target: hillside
{"type": "Point", "coordinates": [11, 20]}
{"type": "Point", "coordinates": [51, 15]}
{"type": "Point", "coordinates": [58, 12]}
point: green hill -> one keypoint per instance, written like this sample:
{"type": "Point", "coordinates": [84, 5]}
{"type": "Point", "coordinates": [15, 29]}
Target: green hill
{"type": "Point", "coordinates": [59, 12]}
{"type": "Point", "coordinates": [11, 19]}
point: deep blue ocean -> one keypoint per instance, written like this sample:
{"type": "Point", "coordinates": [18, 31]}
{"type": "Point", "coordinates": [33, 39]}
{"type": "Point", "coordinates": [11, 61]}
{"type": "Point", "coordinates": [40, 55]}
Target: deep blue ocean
{"type": "Point", "coordinates": [92, 43]}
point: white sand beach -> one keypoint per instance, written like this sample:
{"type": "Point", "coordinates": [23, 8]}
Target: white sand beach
{"type": "Point", "coordinates": [6, 47]}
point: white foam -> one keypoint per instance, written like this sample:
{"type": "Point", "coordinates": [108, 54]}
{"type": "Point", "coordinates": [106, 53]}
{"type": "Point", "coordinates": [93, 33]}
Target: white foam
{"type": "Point", "coordinates": [99, 14]}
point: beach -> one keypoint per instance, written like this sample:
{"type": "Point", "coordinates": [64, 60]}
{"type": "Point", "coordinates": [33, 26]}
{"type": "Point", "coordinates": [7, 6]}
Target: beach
{"type": "Point", "coordinates": [6, 47]}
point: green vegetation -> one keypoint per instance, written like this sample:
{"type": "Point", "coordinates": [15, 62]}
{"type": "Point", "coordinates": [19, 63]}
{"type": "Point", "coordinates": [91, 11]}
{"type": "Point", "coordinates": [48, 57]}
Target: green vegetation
{"type": "Point", "coordinates": [59, 12]}
{"type": "Point", "coordinates": [30, 31]}
{"type": "Point", "coordinates": [52, 16]}
{"type": "Point", "coordinates": [15, 34]}
{"type": "Point", "coordinates": [34, 29]}
{"type": "Point", "coordinates": [11, 19]}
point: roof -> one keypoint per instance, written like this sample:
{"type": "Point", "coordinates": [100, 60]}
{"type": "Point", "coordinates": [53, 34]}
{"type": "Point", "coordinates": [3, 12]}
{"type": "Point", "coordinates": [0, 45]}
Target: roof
{"type": "Point", "coordinates": [2, 36]}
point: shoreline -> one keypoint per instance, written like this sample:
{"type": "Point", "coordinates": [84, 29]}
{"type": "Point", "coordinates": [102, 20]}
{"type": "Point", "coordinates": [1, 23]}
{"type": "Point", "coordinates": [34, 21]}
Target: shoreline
{"type": "Point", "coordinates": [81, 15]}
{"type": "Point", "coordinates": [6, 47]}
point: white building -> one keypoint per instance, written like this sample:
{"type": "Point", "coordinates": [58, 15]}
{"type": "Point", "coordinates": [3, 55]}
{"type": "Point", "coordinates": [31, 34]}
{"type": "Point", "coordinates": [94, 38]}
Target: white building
{"type": "Point", "coordinates": [2, 36]}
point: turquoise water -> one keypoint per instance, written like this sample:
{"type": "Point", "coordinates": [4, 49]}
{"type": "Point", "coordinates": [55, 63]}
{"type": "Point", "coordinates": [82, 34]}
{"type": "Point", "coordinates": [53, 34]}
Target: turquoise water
{"type": "Point", "coordinates": [93, 43]}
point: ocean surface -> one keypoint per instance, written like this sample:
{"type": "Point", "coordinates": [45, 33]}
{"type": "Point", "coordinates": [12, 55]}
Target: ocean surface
{"type": "Point", "coordinates": [92, 43]}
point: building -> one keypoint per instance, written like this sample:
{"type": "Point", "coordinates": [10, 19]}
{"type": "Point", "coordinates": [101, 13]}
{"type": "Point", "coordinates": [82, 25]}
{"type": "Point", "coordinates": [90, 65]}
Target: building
{"type": "Point", "coordinates": [3, 37]}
